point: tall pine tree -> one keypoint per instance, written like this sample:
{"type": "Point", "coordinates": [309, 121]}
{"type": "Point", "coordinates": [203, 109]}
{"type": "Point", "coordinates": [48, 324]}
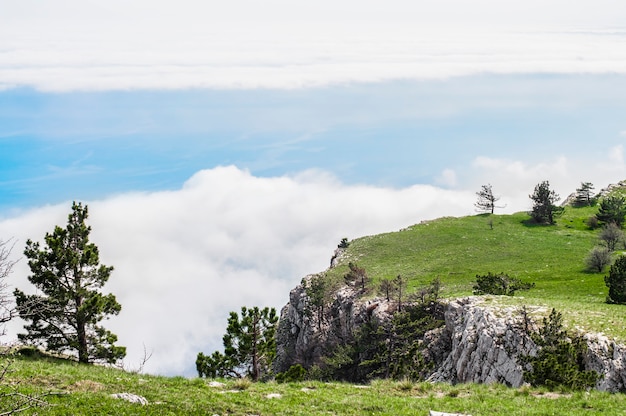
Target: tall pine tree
{"type": "Point", "coordinates": [64, 317]}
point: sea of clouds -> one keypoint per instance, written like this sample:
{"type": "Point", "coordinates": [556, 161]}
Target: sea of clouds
{"type": "Point", "coordinates": [77, 45]}
{"type": "Point", "coordinates": [185, 258]}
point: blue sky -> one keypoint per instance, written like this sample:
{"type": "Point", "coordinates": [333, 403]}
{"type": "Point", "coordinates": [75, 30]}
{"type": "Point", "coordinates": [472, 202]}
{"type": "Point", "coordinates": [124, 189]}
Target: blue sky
{"type": "Point", "coordinates": [225, 148]}
{"type": "Point", "coordinates": [85, 145]}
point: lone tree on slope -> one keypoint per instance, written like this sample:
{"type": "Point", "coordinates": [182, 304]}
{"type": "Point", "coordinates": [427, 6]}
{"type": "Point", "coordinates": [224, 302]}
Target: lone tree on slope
{"type": "Point", "coordinates": [486, 200]}
{"type": "Point", "coordinates": [544, 210]}
{"type": "Point", "coordinates": [584, 195]}
{"type": "Point", "coordinates": [69, 274]}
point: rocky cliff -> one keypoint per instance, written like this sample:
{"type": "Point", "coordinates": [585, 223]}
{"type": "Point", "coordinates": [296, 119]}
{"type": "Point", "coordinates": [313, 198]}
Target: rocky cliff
{"type": "Point", "coordinates": [305, 336]}
{"type": "Point", "coordinates": [480, 342]}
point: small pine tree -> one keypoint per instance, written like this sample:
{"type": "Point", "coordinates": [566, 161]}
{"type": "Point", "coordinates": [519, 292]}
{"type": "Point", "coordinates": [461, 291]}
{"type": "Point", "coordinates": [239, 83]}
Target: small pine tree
{"type": "Point", "coordinates": [316, 292]}
{"type": "Point", "coordinates": [612, 210]}
{"type": "Point", "coordinates": [544, 211]}
{"type": "Point", "coordinates": [499, 284]}
{"type": "Point", "coordinates": [584, 195]}
{"type": "Point", "coordinates": [386, 288]}
{"type": "Point", "coordinates": [486, 200]}
{"type": "Point", "coordinates": [616, 281]}
{"type": "Point", "coordinates": [356, 274]}
{"type": "Point", "coordinates": [399, 286]}
{"type": "Point", "coordinates": [560, 359]}
{"type": "Point", "coordinates": [249, 346]}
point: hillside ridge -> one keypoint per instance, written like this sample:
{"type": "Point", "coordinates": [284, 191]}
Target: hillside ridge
{"type": "Point", "coordinates": [487, 346]}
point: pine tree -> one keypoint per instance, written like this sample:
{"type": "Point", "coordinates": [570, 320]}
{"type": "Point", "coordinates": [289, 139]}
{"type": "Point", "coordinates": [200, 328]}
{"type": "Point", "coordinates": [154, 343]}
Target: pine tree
{"type": "Point", "coordinates": [544, 209]}
{"type": "Point", "coordinates": [486, 200]}
{"type": "Point", "coordinates": [249, 346]}
{"type": "Point", "coordinates": [399, 286]}
{"type": "Point", "coordinates": [584, 195]}
{"type": "Point", "coordinates": [612, 210]}
{"type": "Point", "coordinates": [616, 281]}
{"type": "Point", "coordinates": [68, 273]}
{"type": "Point", "coordinates": [316, 292]}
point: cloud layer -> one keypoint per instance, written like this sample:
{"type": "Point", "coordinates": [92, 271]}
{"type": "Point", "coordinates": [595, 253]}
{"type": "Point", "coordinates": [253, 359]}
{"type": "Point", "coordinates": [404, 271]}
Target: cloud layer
{"type": "Point", "coordinates": [183, 259]}
{"type": "Point", "coordinates": [74, 45]}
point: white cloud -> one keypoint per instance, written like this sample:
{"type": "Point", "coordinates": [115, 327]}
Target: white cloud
{"type": "Point", "coordinates": [616, 156]}
{"type": "Point", "coordinates": [447, 178]}
{"type": "Point", "coordinates": [183, 259]}
{"type": "Point", "coordinates": [514, 180]}
{"type": "Point", "coordinates": [244, 44]}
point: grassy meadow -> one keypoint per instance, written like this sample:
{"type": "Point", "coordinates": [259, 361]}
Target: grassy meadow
{"type": "Point", "coordinates": [78, 389]}
{"type": "Point", "coordinates": [455, 250]}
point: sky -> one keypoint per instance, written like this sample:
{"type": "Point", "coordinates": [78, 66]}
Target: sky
{"type": "Point", "coordinates": [225, 148]}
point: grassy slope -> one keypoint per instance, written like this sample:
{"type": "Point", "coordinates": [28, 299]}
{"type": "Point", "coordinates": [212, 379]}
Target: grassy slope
{"type": "Point", "coordinates": [457, 249]}
{"type": "Point", "coordinates": [453, 249]}
{"type": "Point", "coordinates": [85, 390]}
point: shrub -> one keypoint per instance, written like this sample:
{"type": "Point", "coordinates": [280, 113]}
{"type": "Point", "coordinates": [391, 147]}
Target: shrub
{"type": "Point", "coordinates": [560, 359]}
{"type": "Point", "coordinates": [295, 373]}
{"type": "Point", "coordinates": [385, 349]}
{"type": "Point", "coordinates": [592, 222]}
{"type": "Point", "coordinates": [612, 210]}
{"type": "Point", "coordinates": [611, 234]}
{"type": "Point", "coordinates": [242, 384]}
{"type": "Point", "coordinates": [616, 281]}
{"type": "Point", "coordinates": [499, 284]}
{"type": "Point", "coordinates": [597, 259]}
{"type": "Point", "coordinates": [356, 274]}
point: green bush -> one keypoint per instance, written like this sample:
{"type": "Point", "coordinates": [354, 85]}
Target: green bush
{"type": "Point", "coordinates": [592, 222]}
{"type": "Point", "coordinates": [294, 374]}
{"type": "Point", "coordinates": [560, 359]}
{"type": "Point", "coordinates": [616, 281]}
{"type": "Point", "coordinates": [388, 349]}
{"type": "Point", "coordinates": [597, 259]}
{"type": "Point", "coordinates": [499, 284]}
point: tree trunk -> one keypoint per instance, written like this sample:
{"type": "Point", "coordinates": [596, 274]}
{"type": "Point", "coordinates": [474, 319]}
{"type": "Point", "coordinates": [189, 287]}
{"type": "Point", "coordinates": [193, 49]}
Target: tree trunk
{"type": "Point", "coordinates": [83, 353]}
{"type": "Point", "coordinates": [81, 332]}
{"type": "Point", "coordinates": [255, 351]}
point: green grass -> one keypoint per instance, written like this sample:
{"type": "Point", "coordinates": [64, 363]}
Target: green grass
{"type": "Point", "coordinates": [457, 249]}
{"type": "Point", "coordinates": [85, 390]}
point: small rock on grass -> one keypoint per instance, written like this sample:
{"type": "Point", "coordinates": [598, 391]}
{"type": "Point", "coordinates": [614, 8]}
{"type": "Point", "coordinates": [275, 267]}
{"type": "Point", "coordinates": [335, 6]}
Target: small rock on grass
{"type": "Point", "coordinates": [132, 398]}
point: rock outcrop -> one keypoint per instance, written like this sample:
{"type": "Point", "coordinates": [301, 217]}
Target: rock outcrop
{"type": "Point", "coordinates": [571, 198]}
{"type": "Point", "coordinates": [305, 335]}
{"type": "Point", "coordinates": [485, 344]}
{"type": "Point", "coordinates": [480, 342]}
{"type": "Point", "coordinates": [609, 359]}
